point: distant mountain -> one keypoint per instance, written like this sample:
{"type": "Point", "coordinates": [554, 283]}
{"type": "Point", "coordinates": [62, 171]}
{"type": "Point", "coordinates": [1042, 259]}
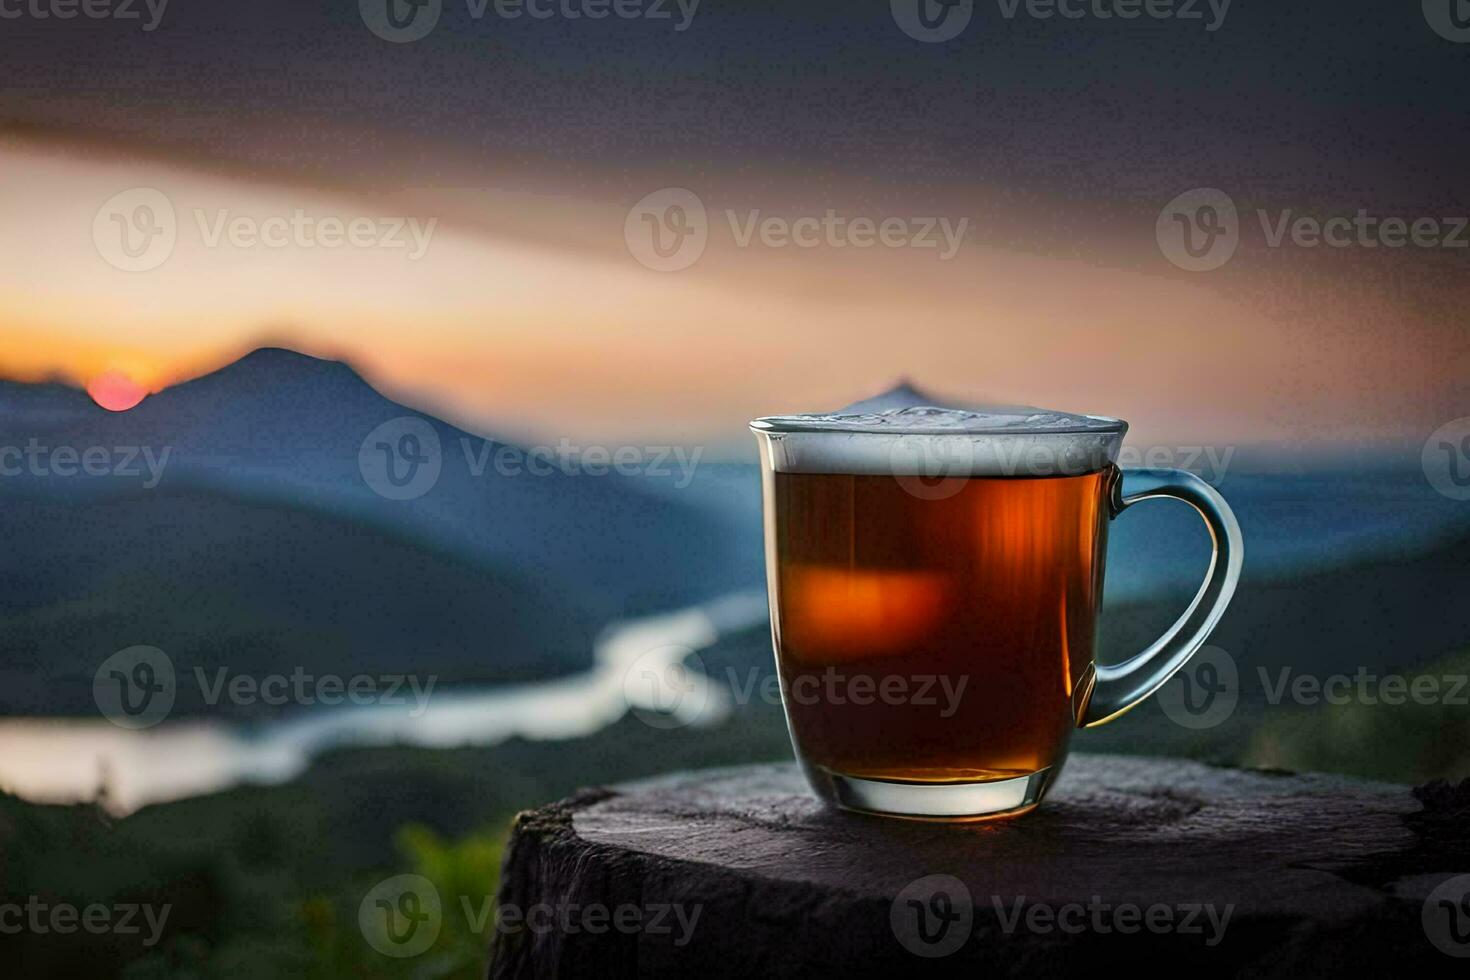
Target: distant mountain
{"type": "Point", "coordinates": [242, 531]}
{"type": "Point", "coordinates": [45, 402]}
{"type": "Point", "coordinates": [217, 582]}
{"type": "Point", "coordinates": [285, 428]}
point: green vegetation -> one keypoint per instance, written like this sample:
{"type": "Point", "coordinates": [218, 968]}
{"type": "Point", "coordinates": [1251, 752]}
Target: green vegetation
{"type": "Point", "coordinates": [266, 881]}
{"type": "Point", "coordinates": [1401, 739]}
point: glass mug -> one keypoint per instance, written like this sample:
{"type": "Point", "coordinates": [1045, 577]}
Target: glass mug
{"type": "Point", "coordinates": [935, 577]}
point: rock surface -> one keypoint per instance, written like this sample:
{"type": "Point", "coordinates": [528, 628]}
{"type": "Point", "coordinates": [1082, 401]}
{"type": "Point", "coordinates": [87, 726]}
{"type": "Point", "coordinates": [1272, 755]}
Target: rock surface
{"type": "Point", "coordinates": [1130, 862]}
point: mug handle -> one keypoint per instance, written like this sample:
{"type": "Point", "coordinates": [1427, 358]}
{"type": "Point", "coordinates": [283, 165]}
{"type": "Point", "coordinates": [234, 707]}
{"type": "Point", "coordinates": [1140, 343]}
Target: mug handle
{"type": "Point", "coordinates": [1119, 687]}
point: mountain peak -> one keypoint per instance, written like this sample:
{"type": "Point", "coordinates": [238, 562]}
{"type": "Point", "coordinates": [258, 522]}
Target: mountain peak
{"type": "Point", "coordinates": [282, 367]}
{"type": "Point", "coordinates": [270, 375]}
{"type": "Point", "coordinates": [285, 359]}
{"type": "Point", "coordinates": [902, 394]}
{"type": "Point", "coordinates": [905, 394]}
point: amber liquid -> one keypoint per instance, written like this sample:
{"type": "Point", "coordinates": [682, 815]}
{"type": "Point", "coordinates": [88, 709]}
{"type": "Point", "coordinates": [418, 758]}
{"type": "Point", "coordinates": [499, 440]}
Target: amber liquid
{"type": "Point", "coordinates": [996, 586]}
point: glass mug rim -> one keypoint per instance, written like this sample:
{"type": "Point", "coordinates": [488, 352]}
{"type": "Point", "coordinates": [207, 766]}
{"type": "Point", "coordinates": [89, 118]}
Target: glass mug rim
{"type": "Point", "coordinates": [994, 444]}
{"type": "Point", "coordinates": [1006, 421]}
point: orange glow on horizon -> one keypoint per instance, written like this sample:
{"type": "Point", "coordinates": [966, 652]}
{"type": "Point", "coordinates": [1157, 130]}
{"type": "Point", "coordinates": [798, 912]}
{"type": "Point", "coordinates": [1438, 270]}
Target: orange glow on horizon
{"type": "Point", "coordinates": [529, 317]}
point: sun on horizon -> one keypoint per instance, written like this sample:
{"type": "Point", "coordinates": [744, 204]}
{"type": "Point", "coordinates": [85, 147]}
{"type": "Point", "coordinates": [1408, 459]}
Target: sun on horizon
{"type": "Point", "coordinates": [116, 391]}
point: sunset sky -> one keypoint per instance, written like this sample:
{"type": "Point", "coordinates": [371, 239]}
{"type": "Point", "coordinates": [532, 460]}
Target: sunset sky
{"type": "Point", "coordinates": [527, 314]}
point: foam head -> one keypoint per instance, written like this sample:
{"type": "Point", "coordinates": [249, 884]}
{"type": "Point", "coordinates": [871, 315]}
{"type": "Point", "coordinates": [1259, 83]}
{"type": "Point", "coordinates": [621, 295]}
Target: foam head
{"type": "Point", "coordinates": [901, 433]}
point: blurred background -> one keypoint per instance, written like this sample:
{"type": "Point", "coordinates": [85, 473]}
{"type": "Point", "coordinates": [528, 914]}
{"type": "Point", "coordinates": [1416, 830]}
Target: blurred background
{"type": "Point", "coordinates": [374, 382]}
